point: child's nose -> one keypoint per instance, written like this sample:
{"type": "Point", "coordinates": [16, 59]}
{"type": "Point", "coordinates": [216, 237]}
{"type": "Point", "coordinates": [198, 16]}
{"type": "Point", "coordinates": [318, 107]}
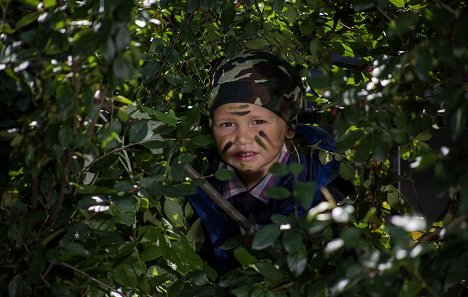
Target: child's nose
{"type": "Point", "coordinates": [244, 135]}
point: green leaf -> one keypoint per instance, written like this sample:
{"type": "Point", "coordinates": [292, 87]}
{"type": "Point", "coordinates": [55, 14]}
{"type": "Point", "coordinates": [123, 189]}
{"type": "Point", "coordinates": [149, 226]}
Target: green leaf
{"type": "Point", "coordinates": [27, 19]}
{"type": "Point", "coordinates": [318, 289]}
{"type": "Point", "coordinates": [458, 122]}
{"type": "Point", "coordinates": [122, 39]}
{"type": "Point", "coordinates": [380, 147]}
{"type": "Point", "coordinates": [296, 168]}
{"type": "Point", "coordinates": [16, 286]}
{"type": "Point", "coordinates": [304, 193]}
{"type": "Point", "coordinates": [202, 140]}
{"type": "Point", "coordinates": [292, 241]}
{"type": "Point", "coordinates": [349, 139]}
{"type": "Point", "coordinates": [228, 13]}
{"type": "Point", "coordinates": [258, 44]}
{"type": "Point", "coordinates": [347, 171]}
{"type": "Point", "coordinates": [49, 3]}
{"type": "Point", "coordinates": [244, 257]}
{"type": "Point", "coordinates": [363, 150]}
{"type": "Point", "coordinates": [123, 115]}
{"type": "Point", "coordinates": [411, 288]}
{"type": "Point", "coordinates": [109, 50]}
{"type": "Point", "coordinates": [297, 261]}
{"type": "Point", "coordinates": [129, 272]}
{"type": "Point", "coordinates": [278, 193]}
{"type": "Point", "coordinates": [318, 81]}
{"type": "Point", "coordinates": [124, 100]}
{"type": "Point", "coordinates": [398, 3]}
{"type": "Point", "coordinates": [266, 236]}
{"type": "Point", "coordinates": [224, 174]}
{"type": "Point", "coordinates": [76, 249]}
{"type": "Point", "coordinates": [31, 3]}
{"type": "Point", "coordinates": [151, 252]}
{"type": "Point", "coordinates": [195, 234]}
{"type": "Point", "coordinates": [182, 257]}
{"type": "Point", "coordinates": [103, 163]}
{"type": "Point", "coordinates": [173, 79]}
{"type": "Point", "coordinates": [315, 47]}
{"type": "Point", "coordinates": [120, 67]}
{"type": "Point", "coordinates": [168, 117]}
{"type": "Point", "coordinates": [174, 212]}
{"type": "Point", "coordinates": [279, 169]}
{"type": "Point", "coordinates": [85, 43]}
{"type": "Point", "coordinates": [269, 270]}
{"type": "Point", "coordinates": [277, 5]}
{"type": "Point", "coordinates": [138, 130]}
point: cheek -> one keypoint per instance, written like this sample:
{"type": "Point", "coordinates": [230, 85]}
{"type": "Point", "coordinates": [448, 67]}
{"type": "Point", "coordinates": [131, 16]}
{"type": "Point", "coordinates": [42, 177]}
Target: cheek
{"type": "Point", "coordinates": [222, 142]}
{"type": "Point", "coordinates": [274, 138]}
{"type": "Point", "coordinates": [227, 146]}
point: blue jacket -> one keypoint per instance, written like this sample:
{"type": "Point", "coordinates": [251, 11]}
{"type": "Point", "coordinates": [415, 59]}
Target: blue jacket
{"type": "Point", "coordinates": [219, 227]}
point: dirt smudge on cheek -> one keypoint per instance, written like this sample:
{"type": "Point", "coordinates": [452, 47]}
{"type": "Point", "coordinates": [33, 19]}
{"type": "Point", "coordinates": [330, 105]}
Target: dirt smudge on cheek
{"type": "Point", "coordinates": [226, 147]}
{"type": "Point", "coordinates": [260, 142]}
{"type": "Point", "coordinates": [264, 136]}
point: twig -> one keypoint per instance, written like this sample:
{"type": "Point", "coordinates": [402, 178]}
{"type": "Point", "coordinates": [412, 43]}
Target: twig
{"type": "Point", "coordinates": [63, 188]}
{"type": "Point", "coordinates": [446, 7]}
{"type": "Point", "coordinates": [221, 202]}
{"type": "Point", "coordinates": [94, 279]}
{"type": "Point", "coordinates": [383, 13]}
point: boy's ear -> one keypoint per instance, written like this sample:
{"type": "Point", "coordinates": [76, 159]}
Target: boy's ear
{"type": "Point", "coordinates": [290, 133]}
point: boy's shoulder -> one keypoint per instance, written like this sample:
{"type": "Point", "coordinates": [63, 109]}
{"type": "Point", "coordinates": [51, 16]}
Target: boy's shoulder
{"type": "Point", "coordinates": [314, 135]}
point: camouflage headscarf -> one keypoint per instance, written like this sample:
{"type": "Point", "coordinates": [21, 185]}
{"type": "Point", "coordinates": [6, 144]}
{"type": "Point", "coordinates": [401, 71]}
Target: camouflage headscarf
{"type": "Point", "coordinates": [260, 78]}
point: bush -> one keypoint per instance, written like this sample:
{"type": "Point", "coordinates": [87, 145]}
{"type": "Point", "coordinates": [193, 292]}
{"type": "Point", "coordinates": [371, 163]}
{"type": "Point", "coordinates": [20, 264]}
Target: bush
{"type": "Point", "coordinates": [103, 105]}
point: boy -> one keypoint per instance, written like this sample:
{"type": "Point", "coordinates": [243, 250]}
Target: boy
{"type": "Point", "coordinates": [256, 98]}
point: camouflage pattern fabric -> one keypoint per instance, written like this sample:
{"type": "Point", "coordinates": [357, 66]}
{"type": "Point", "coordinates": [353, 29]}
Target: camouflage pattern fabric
{"type": "Point", "coordinates": [260, 78]}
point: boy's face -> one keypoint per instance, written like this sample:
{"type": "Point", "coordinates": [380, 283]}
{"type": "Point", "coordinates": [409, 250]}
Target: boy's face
{"type": "Point", "coordinates": [249, 137]}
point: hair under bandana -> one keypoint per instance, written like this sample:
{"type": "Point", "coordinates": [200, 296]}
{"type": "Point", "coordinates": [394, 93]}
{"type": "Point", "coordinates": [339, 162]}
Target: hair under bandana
{"type": "Point", "coordinates": [260, 78]}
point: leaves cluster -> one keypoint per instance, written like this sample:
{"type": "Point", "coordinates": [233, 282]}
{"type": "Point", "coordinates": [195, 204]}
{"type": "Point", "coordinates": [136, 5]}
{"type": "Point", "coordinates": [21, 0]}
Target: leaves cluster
{"type": "Point", "coordinates": [103, 103]}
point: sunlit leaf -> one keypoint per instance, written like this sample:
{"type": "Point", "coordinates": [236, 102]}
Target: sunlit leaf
{"type": "Point", "coordinates": [398, 3]}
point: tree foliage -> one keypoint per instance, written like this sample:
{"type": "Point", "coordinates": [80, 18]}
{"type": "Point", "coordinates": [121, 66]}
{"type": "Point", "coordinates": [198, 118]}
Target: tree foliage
{"type": "Point", "coordinates": [103, 103]}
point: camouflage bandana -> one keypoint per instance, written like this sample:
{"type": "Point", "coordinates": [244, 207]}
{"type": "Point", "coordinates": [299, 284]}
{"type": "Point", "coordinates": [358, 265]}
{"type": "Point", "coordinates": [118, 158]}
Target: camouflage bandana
{"type": "Point", "coordinates": [259, 78]}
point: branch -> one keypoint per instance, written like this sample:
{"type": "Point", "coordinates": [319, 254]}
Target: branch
{"type": "Point", "coordinates": [93, 279]}
{"type": "Point", "coordinates": [221, 202]}
{"type": "Point", "coordinates": [383, 12]}
{"type": "Point", "coordinates": [63, 188]}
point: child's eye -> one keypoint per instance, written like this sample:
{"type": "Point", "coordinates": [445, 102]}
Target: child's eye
{"type": "Point", "coordinates": [259, 122]}
{"type": "Point", "coordinates": [226, 124]}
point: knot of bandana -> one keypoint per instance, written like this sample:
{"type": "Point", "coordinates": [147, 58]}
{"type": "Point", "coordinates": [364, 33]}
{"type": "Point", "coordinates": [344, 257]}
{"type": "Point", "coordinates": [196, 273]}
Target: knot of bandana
{"type": "Point", "coordinates": [260, 78]}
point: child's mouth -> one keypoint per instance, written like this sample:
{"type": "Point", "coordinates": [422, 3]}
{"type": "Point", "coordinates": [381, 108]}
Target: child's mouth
{"type": "Point", "coordinates": [245, 156]}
